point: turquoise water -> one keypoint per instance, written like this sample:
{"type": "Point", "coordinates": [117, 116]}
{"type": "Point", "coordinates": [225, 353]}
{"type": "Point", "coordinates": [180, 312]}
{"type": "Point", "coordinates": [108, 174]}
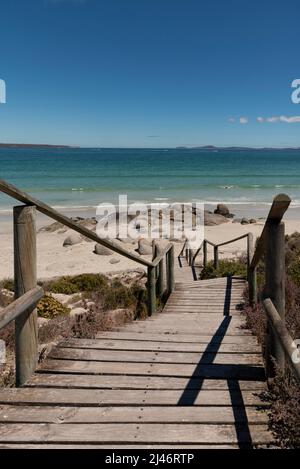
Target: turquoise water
{"type": "Point", "coordinates": [82, 178]}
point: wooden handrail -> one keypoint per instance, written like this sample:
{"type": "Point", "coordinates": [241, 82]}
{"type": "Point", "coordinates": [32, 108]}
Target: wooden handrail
{"type": "Point", "coordinates": [215, 246]}
{"type": "Point", "coordinates": [168, 252]}
{"type": "Point", "coordinates": [282, 335]}
{"type": "Point", "coordinates": [23, 309]}
{"type": "Point", "coordinates": [279, 343]}
{"type": "Point", "coordinates": [18, 307]}
{"type": "Point", "coordinates": [279, 206]}
{"type": "Point", "coordinates": [160, 256]}
{"type": "Point", "coordinates": [27, 199]}
{"type": "Point", "coordinates": [233, 240]}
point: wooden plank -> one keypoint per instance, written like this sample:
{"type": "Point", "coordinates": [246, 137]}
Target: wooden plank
{"type": "Point", "coordinates": [129, 414]}
{"type": "Point", "coordinates": [108, 397]}
{"type": "Point", "coordinates": [113, 344]}
{"type": "Point", "coordinates": [174, 370]}
{"type": "Point", "coordinates": [219, 313]}
{"type": "Point", "coordinates": [218, 281]}
{"type": "Point", "coordinates": [205, 306]}
{"type": "Point", "coordinates": [138, 382]}
{"type": "Point", "coordinates": [188, 329]}
{"type": "Point", "coordinates": [175, 337]}
{"type": "Point", "coordinates": [219, 299]}
{"type": "Point", "coordinates": [157, 357]}
{"type": "Point", "coordinates": [200, 311]}
{"type": "Point", "coordinates": [126, 433]}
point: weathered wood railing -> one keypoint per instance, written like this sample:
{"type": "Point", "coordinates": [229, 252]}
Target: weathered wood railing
{"type": "Point", "coordinates": [25, 276]}
{"type": "Point", "coordinates": [191, 255]}
{"type": "Point", "coordinates": [23, 312]}
{"type": "Point", "coordinates": [283, 337]}
{"type": "Point", "coordinates": [271, 246]}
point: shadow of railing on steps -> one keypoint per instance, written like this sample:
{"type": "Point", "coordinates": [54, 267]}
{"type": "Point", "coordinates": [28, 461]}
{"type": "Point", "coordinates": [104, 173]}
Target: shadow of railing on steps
{"type": "Point", "coordinates": [271, 244]}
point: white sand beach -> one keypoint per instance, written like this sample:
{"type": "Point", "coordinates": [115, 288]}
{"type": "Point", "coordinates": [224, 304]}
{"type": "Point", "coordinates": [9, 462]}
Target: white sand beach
{"type": "Point", "coordinates": [54, 259]}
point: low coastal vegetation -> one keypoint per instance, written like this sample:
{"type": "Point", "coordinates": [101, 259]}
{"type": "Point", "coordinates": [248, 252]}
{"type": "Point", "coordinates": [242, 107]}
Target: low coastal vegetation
{"type": "Point", "coordinates": [226, 267]}
{"type": "Point", "coordinates": [78, 306]}
{"type": "Point", "coordinates": [284, 396]}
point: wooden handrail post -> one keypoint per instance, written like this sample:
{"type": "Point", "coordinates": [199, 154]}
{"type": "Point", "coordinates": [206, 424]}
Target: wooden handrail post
{"type": "Point", "coordinates": [160, 279]}
{"type": "Point", "coordinates": [26, 330]}
{"type": "Point", "coordinates": [204, 253]}
{"type": "Point", "coordinates": [275, 290]}
{"type": "Point", "coordinates": [252, 283]}
{"type": "Point", "coordinates": [251, 271]}
{"type": "Point", "coordinates": [151, 287]}
{"type": "Point", "coordinates": [187, 254]}
{"type": "Point", "coordinates": [216, 257]}
{"type": "Point", "coordinates": [250, 249]}
{"type": "Point", "coordinates": [170, 270]}
{"type": "Point", "coordinates": [159, 272]}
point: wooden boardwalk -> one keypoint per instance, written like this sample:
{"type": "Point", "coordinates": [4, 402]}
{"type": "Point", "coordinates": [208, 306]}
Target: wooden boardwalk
{"type": "Point", "coordinates": [188, 377]}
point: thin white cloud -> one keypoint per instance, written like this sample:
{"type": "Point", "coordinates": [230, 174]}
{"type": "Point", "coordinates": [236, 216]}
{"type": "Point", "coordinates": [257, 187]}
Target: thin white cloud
{"type": "Point", "coordinates": [244, 120]}
{"type": "Point", "coordinates": [290, 120]}
{"type": "Point", "coordinates": [275, 119]}
{"type": "Point", "coordinates": [231, 120]}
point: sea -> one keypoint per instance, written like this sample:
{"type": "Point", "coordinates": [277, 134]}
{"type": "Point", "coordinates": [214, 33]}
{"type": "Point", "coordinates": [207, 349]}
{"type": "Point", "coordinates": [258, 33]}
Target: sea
{"type": "Point", "coordinates": [78, 179]}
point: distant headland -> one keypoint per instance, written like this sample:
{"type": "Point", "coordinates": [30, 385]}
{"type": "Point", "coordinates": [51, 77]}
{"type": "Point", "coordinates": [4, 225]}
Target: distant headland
{"type": "Point", "coordinates": [233, 148]}
{"type": "Point", "coordinates": [33, 145]}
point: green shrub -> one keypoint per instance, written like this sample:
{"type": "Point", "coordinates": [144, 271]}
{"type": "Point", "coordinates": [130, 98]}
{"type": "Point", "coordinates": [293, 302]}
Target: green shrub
{"type": "Point", "coordinates": [8, 284]}
{"type": "Point", "coordinates": [78, 283]}
{"type": "Point", "coordinates": [49, 308]}
{"type": "Point", "coordinates": [116, 295]}
{"type": "Point", "coordinates": [294, 271]}
{"type": "Point", "coordinates": [227, 267]}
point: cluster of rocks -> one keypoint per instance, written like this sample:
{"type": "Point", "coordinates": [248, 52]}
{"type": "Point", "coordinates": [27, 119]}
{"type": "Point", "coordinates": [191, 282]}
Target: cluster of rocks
{"type": "Point", "coordinates": [244, 221]}
{"type": "Point", "coordinates": [222, 215]}
{"type": "Point", "coordinates": [142, 246]}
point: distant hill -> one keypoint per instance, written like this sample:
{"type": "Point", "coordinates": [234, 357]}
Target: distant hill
{"type": "Point", "coordinates": [214, 148]}
{"type": "Point", "coordinates": [32, 145]}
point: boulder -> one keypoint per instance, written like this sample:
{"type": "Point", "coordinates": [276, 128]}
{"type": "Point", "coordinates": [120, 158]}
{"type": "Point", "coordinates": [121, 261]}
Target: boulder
{"type": "Point", "coordinates": [114, 260]}
{"type": "Point", "coordinates": [144, 247]}
{"type": "Point", "coordinates": [252, 220]}
{"type": "Point", "coordinates": [222, 209]}
{"type": "Point", "coordinates": [102, 250]}
{"type": "Point", "coordinates": [74, 238]}
{"type": "Point", "coordinates": [160, 245]}
{"type": "Point", "coordinates": [211, 219]}
{"type": "Point", "coordinates": [237, 220]}
{"type": "Point", "coordinates": [245, 221]}
{"type": "Point", "coordinates": [78, 312]}
{"type": "Point", "coordinates": [127, 240]}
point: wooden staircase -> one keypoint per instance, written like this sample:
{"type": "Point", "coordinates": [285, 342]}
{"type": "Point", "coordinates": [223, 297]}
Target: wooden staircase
{"type": "Point", "coordinates": [189, 377]}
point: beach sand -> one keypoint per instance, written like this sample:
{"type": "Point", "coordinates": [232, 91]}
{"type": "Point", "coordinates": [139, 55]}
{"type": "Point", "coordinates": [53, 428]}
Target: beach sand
{"type": "Point", "coordinates": [54, 260]}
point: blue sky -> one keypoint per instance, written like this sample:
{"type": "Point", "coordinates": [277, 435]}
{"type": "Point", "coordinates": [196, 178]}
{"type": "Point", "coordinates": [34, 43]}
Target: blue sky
{"type": "Point", "coordinates": [149, 73]}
